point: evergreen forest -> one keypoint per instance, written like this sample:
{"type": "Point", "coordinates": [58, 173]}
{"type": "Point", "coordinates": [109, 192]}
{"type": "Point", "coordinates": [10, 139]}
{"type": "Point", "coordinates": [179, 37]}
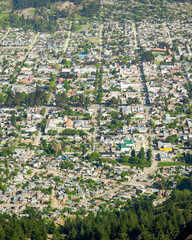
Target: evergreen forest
{"type": "Point", "coordinates": [138, 219]}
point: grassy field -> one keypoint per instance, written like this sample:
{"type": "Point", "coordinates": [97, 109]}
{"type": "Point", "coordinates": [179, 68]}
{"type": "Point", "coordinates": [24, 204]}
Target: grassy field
{"type": "Point", "coordinates": [80, 28]}
{"type": "Point", "coordinates": [32, 12]}
{"type": "Point", "coordinates": [94, 39]}
{"type": "Point", "coordinates": [169, 164]}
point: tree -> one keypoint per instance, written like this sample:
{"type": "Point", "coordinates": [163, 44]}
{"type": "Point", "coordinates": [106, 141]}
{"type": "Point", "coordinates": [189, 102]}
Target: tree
{"type": "Point", "coordinates": [92, 130]}
{"type": "Point", "coordinates": [149, 154]}
{"type": "Point", "coordinates": [133, 153]}
{"type": "Point", "coordinates": [44, 143]}
{"type": "Point", "coordinates": [173, 59]}
{"type": "Point", "coordinates": [141, 154]}
{"type": "Point", "coordinates": [182, 58]}
{"type": "Point", "coordinates": [43, 110]}
{"type": "Point", "coordinates": [137, 192]}
{"type": "Point", "coordinates": [57, 148]}
{"type": "Point", "coordinates": [53, 78]}
{"type": "Point", "coordinates": [3, 188]}
{"type": "Point", "coordinates": [43, 123]}
{"type": "Point", "coordinates": [125, 159]}
{"type": "Point", "coordinates": [98, 65]}
{"type": "Point", "coordinates": [61, 99]}
{"type": "Point", "coordinates": [29, 172]}
{"type": "Point", "coordinates": [84, 149]}
{"type": "Point", "coordinates": [51, 227]}
{"type": "Point", "coordinates": [147, 56]}
{"type": "Point", "coordinates": [94, 156]}
{"type": "Point", "coordinates": [172, 139]}
{"type": "Point", "coordinates": [152, 123]}
{"type": "Point", "coordinates": [13, 119]}
{"type": "Point", "coordinates": [149, 140]}
{"type": "Point", "coordinates": [56, 235]}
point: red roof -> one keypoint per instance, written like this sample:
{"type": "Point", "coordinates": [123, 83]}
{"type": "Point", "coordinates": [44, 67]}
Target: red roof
{"type": "Point", "coordinates": [24, 81]}
{"type": "Point", "coordinates": [60, 80]}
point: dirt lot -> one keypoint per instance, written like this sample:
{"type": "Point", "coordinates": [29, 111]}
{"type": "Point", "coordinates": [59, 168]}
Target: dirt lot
{"type": "Point", "coordinates": [26, 12]}
{"type": "Point", "coordinates": [69, 6]}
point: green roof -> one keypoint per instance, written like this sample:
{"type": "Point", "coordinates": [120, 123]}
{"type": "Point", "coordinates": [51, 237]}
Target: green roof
{"type": "Point", "coordinates": [158, 55]}
{"type": "Point", "coordinates": [86, 84]}
{"type": "Point", "coordinates": [128, 141]}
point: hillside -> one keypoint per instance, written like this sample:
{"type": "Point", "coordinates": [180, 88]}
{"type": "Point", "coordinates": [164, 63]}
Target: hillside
{"type": "Point", "coordinates": [43, 15]}
{"type": "Point", "coordinates": [21, 4]}
{"type": "Point", "coordinates": [139, 220]}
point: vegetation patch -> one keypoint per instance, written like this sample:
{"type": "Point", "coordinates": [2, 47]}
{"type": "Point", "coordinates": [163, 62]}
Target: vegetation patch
{"type": "Point", "coordinates": [169, 164]}
{"type": "Point", "coordinates": [80, 28]}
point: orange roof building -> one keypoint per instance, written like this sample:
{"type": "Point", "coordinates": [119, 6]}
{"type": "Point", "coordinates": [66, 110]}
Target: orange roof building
{"type": "Point", "coordinates": [69, 123]}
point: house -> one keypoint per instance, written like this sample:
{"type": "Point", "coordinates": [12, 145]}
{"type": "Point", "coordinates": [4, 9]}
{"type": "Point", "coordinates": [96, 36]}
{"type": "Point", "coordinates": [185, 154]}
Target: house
{"type": "Point", "coordinates": [69, 123]}
{"type": "Point", "coordinates": [50, 125]}
{"type": "Point", "coordinates": [107, 154]}
{"type": "Point", "coordinates": [161, 50]}
{"type": "Point", "coordinates": [165, 146]}
{"type": "Point", "coordinates": [168, 59]}
{"type": "Point", "coordinates": [24, 81]}
{"type": "Point", "coordinates": [159, 58]}
{"type": "Point", "coordinates": [79, 123]}
{"type": "Point", "coordinates": [163, 156]}
{"type": "Point", "coordinates": [126, 110]}
{"type": "Point", "coordinates": [26, 140]}
{"type": "Point", "coordinates": [126, 145]}
{"type": "Point", "coordinates": [60, 80]}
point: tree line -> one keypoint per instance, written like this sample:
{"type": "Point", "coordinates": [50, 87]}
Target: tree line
{"type": "Point", "coordinates": [31, 227]}
{"type": "Point", "coordinates": [62, 100]}
{"type": "Point", "coordinates": [137, 159]}
{"type": "Point", "coordinates": [36, 98]}
{"type": "Point", "coordinates": [37, 24]}
{"type": "Point", "coordinates": [139, 220]}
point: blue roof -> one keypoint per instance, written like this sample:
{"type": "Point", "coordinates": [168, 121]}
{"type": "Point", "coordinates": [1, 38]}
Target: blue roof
{"type": "Point", "coordinates": [79, 121]}
{"type": "Point", "coordinates": [82, 55]}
